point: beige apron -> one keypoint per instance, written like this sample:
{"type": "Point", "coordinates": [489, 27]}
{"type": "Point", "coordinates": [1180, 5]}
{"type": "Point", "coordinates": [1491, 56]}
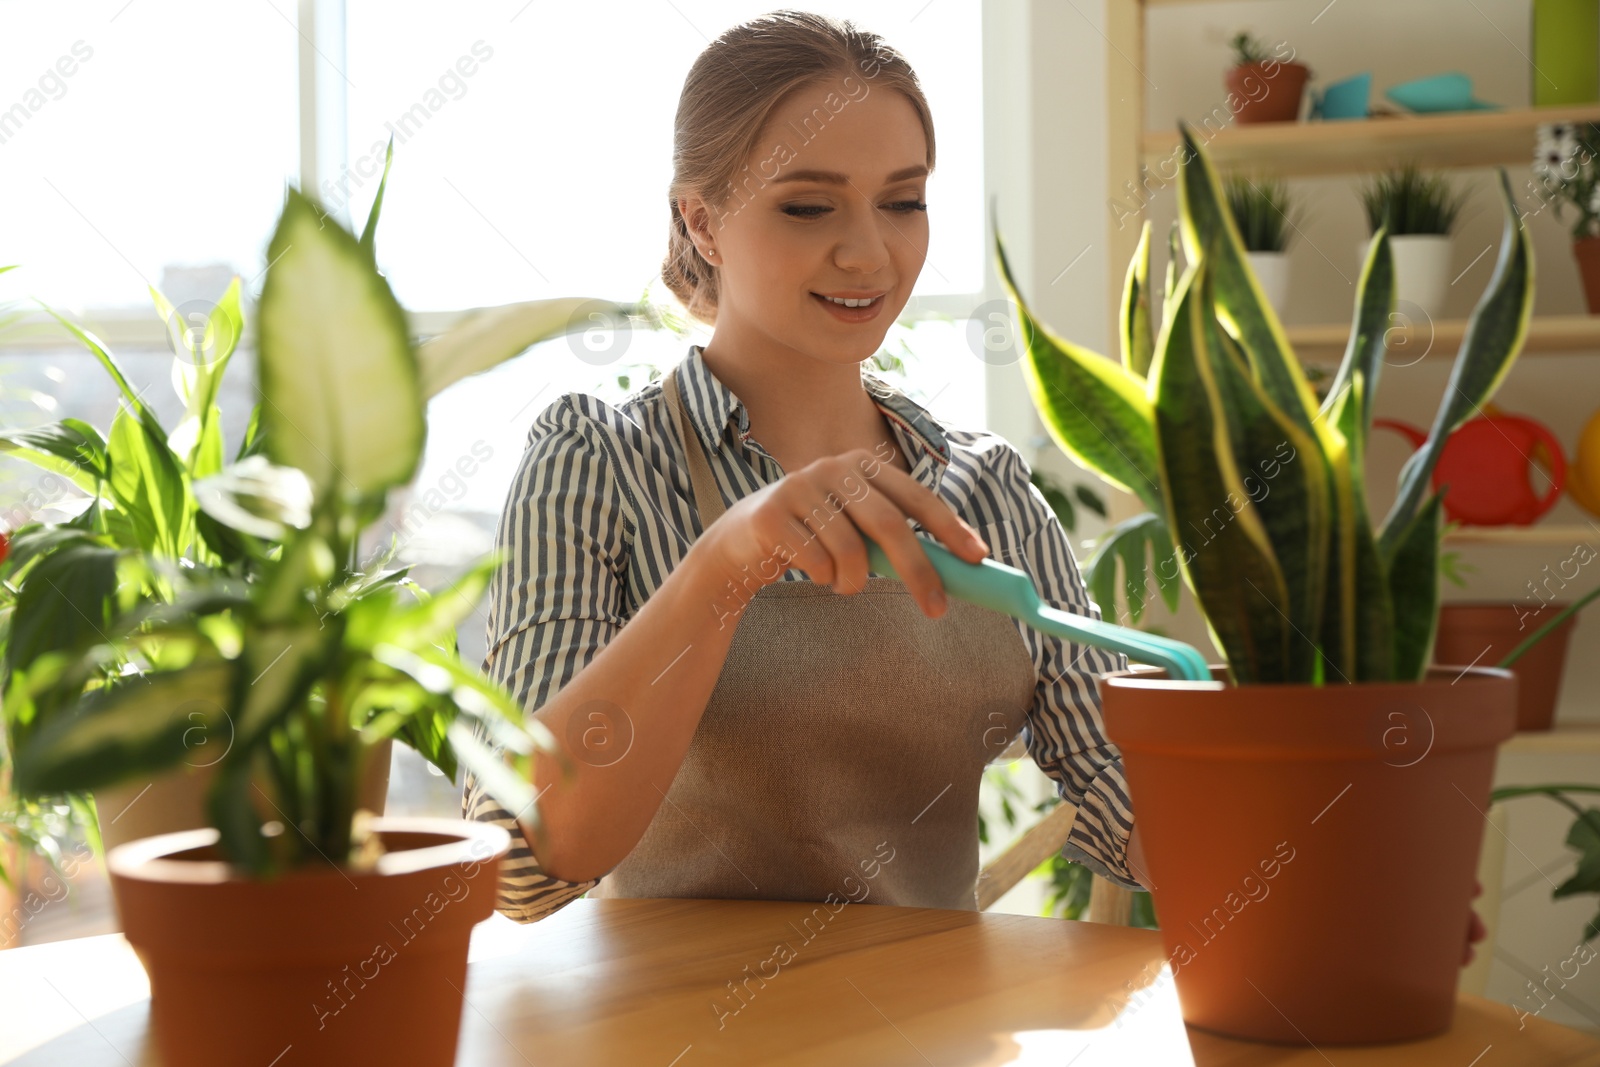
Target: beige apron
{"type": "Point", "coordinates": [842, 748]}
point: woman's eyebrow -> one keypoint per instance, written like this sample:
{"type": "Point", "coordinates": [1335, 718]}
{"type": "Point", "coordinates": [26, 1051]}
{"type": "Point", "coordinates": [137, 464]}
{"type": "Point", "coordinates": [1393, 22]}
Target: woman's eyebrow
{"type": "Point", "coordinates": [833, 177]}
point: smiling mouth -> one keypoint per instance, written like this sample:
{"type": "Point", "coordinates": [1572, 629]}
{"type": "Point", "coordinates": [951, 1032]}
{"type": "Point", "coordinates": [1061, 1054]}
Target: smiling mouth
{"type": "Point", "coordinates": [849, 303]}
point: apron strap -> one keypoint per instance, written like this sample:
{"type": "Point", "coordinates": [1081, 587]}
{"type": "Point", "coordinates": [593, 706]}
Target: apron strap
{"type": "Point", "coordinates": [707, 497]}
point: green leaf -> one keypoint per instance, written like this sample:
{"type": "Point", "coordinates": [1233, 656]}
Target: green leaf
{"type": "Point", "coordinates": [278, 665]}
{"type": "Point", "coordinates": [1090, 499]}
{"type": "Point", "coordinates": [200, 363]}
{"type": "Point", "coordinates": [1095, 409]}
{"type": "Point", "coordinates": [1174, 265]}
{"type": "Point", "coordinates": [1585, 837]}
{"type": "Point", "coordinates": [338, 378]}
{"type": "Point", "coordinates": [1493, 340]}
{"type": "Point", "coordinates": [1223, 546]}
{"type": "Point", "coordinates": [431, 622]}
{"type": "Point", "coordinates": [1365, 350]}
{"type": "Point", "coordinates": [90, 341]}
{"type": "Point", "coordinates": [488, 337]}
{"type": "Point", "coordinates": [231, 809]}
{"type": "Point", "coordinates": [71, 448]}
{"type": "Point", "coordinates": [1131, 541]}
{"type": "Point", "coordinates": [68, 601]}
{"type": "Point", "coordinates": [135, 727]}
{"type": "Point", "coordinates": [150, 487]}
{"type": "Point", "coordinates": [1282, 470]}
{"type": "Point", "coordinates": [258, 498]}
{"type": "Point", "coordinates": [1241, 305]}
{"type": "Point", "coordinates": [369, 233]}
{"type": "Point", "coordinates": [1138, 339]}
{"type": "Point", "coordinates": [1358, 623]}
{"type": "Point", "coordinates": [1132, 551]}
{"type": "Point", "coordinates": [1414, 591]}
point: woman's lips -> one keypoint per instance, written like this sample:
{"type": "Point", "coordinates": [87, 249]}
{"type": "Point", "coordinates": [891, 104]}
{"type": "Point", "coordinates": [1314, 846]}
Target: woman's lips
{"type": "Point", "coordinates": [856, 314]}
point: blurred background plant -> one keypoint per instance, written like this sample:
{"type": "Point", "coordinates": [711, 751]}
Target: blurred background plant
{"type": "Point", "coordinates": [1564, 166]}
{"type": "Point", "coordinates": [1265, 211]}
{"type": "Point", "coordinates": [1413, 202]}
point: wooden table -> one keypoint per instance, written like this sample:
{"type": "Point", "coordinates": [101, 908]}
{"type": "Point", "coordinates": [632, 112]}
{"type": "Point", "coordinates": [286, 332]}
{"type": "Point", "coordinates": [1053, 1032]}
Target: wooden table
{"type": "Point", "coordinates": [647, 982]}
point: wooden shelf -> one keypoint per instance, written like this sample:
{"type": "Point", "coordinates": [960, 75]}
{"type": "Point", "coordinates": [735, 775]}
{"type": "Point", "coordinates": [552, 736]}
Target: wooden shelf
{"type": "Point", "coordinates": [1352, 146]}
{"type": "Point", "coordinates": [1439, 340]}
{"type": "Point", "coordinates": [1537, 534]}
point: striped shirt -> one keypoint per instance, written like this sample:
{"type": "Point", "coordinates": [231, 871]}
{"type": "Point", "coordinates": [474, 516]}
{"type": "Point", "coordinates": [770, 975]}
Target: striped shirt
{"type": "Point", "coordinates": [600, 511]}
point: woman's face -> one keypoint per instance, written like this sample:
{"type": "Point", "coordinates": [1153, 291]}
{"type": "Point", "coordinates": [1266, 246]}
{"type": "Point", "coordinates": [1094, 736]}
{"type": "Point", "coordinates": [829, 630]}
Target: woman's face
{"type": "Point", "coordinates": [831, 204]}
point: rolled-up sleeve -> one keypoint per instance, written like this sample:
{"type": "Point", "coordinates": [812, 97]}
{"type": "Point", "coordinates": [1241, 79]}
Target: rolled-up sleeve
{"type": "Point", "coordinates": [553, 604]}
{"type": "Point", "coordinates": [1066, 736]}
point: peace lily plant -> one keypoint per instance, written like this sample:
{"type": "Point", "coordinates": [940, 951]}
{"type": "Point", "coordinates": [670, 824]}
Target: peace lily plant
{"type": "Point", "coordinates": [1325, 620]}
{"type": "Point", "coordinates": [232, 600]}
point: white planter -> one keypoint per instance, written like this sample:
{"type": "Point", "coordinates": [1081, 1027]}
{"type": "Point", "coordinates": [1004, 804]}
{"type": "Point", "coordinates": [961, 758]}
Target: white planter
{"type": "Point", "coordinates": [1421, 272]}
{"type": "Point", "coordinates": [1272, 271]}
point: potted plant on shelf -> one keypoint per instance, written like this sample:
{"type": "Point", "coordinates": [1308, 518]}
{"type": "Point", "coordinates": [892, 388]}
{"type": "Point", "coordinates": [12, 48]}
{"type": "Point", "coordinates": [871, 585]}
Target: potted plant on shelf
{"type": "Point", "coordinates": [1265, 212]}
{"type": "Point", "coordinates": [296, 929]}
{"type": "Point", "coordinates": [1420, 212]}
{"type": "Point", "coordinates": [1498, 632]}
{"type": "Point", "coordinates": [1566, 176]}
{"type": "Point", "coordinates": [1311, 817]}
{"type": "Point", "coordinates": [1264, 86]}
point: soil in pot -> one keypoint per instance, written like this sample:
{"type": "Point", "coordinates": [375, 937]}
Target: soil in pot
{"type": "Point", "coordinates": [1312, 848]}
{"type": "Point", "coordinates": [1268, 91]}
{"type": "Point", "coordinates": [323, 966]}
{"type": "Point", "coordinates": [1486, 632]}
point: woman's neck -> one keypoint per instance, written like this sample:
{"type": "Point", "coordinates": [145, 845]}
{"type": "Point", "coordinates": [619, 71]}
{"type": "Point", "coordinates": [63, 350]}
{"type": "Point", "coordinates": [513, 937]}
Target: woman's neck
{"type": "Point", "coordinates": [802, 409]}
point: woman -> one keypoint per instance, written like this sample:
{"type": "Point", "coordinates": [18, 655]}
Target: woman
{"type": "Point", "coordinates": [687, 603]}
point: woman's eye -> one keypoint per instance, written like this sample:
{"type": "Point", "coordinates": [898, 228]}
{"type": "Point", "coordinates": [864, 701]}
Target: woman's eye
{"type": "Point", "coordinates": [811, 211]}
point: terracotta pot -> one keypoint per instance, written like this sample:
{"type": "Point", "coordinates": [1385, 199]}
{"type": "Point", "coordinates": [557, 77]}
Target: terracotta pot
{"type": "Point", "coordinates": [1587, 253]}
{"type": "Point", "coordinates": [1268, 92]}
{"type": "Point", "coordinates": [1486, 632]}
{"type": "Point", "coordinates": [176, 800]}
{"type": "Point", "coordinates": [1312, 848]}
{"type": "Point", "coordinates": [322, 966]}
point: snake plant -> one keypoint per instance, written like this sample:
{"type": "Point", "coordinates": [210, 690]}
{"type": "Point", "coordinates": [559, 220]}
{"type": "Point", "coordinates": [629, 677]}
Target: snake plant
{"type": "Point", "coordinates": [307, 658]}
{"type": "Point", "coordinates": [1210, 421]}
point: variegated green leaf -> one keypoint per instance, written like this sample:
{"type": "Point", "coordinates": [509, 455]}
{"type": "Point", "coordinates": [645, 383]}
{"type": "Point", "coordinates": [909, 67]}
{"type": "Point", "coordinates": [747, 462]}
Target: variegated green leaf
{"type": "Point", "coordinates": [1369, 327]}
{"type": "Point", "coordinates": [1493, 340]}
{"type": "Point", "coordinates": [1138, 338]}
{"type": "Point", "coordinates": [1414, 591]}
{"type": "Point", "coordinates": [1095, 409]}
{"type": "Point", "coordinates": [488, 337]}
{"type": "Point", "coordinates": [341, 398]}
{"type": "Point", "coordinates": [1222, 544]}
{"type": "Point", "coordinates": [1358, 622]}
{"type": "Point", "coordinates": [140, 725]}
{"type": "Point", "coordinates": [1241, 305]}
{"type": "Point", "coordinates": [1282, 471]}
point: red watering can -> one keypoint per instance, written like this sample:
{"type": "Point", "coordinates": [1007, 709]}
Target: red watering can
{"type": "Point", "coordinates": [1485, 464]}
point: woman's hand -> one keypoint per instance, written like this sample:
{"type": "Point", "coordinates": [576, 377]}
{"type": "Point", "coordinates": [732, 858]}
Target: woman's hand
{"type": "Point", "coordinates": [813, 518]}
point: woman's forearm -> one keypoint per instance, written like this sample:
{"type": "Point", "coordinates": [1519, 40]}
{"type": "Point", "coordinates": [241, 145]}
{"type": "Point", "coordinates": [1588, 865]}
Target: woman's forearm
{"type": "Point", "coordinates": [652, 682]}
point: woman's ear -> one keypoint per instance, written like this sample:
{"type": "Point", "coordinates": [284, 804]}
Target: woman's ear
{"type": "Point", "coordinates": [697, 218]}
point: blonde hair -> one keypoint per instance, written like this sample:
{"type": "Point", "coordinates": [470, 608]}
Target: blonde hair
{"type": "Point", "coordinates": [732, 89]}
